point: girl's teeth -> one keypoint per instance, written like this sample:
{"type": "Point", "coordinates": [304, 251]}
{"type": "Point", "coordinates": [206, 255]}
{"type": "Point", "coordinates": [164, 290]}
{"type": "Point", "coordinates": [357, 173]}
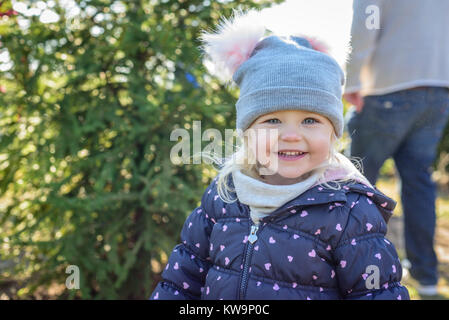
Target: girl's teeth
{"type": "Point", "coordinates": [290, 153]}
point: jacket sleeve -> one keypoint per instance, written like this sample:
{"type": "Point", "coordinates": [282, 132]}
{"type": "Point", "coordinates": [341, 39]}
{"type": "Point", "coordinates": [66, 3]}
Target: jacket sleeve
{"type": "Point", "coordinates": [367, 265]}
{"type": "Point", "coordinates": [185, 273]}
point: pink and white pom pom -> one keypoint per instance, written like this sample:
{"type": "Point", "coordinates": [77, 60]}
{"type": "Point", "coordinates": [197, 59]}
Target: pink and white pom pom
{"type": "Point", "coordinates": [233, 42]}
{"type": "Point", "coordinates": [317, 44]}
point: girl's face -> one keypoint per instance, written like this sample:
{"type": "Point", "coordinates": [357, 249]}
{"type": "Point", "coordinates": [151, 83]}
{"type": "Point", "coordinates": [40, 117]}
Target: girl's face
{"type": "Point", "coordinates": [278, 132]}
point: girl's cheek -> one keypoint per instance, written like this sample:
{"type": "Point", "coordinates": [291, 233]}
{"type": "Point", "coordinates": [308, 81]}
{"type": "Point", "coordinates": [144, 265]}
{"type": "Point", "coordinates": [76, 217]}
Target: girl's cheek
{"type": "Point", "coordinates": [265, 142]}
{"type": "Point", "coordinates": [263, 147]}
{"type": "Point", "coordinates": [272, 140]}
{"type": "Point", "coordinates": [321, 148]}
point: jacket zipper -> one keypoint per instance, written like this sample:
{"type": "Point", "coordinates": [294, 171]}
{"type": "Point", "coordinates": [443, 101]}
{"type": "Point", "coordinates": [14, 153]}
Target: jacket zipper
{"type": "Point", "coordinates": [252, 238]}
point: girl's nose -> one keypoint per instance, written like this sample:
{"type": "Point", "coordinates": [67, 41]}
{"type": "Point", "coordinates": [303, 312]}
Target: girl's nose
{"type": "Point", "coordinates": [290, 135]}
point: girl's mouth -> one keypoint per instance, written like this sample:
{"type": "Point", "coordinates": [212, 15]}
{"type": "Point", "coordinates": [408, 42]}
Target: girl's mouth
{"type": "Point", "coordinates": [291, 156]}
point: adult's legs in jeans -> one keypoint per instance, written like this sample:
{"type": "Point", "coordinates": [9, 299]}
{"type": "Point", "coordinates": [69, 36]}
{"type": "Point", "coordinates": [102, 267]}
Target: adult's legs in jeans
{"type": "Point", "coordinates": [414, 159]}
{"type": "Point", "coordinates": [378, 130]}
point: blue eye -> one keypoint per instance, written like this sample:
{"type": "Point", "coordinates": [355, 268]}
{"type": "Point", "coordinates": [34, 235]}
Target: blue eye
{"type": "Point", "coordinates": [314, 120]}
{"type": "Point", "coordinates": [274, 119]}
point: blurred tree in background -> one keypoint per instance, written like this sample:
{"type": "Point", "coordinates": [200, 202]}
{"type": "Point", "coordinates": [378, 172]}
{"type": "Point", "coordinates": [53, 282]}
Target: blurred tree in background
{"type": "Point", "coordinates": [89, 94]}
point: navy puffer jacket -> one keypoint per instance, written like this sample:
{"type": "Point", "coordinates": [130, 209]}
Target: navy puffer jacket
{"type": "Point", "coordinates": [324, 244]}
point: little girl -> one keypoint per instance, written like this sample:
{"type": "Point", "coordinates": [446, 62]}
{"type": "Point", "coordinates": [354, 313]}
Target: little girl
{"type": "Point", "coordinates": [303, 223]}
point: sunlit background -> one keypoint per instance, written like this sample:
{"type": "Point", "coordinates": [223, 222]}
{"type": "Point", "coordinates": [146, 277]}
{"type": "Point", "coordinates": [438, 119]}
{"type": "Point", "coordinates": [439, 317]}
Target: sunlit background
{"type": "Point", "coordinates": [328, 20]}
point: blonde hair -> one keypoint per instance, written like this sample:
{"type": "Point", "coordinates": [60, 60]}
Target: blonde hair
{"type": "Point", "coordinates": [243, 160]}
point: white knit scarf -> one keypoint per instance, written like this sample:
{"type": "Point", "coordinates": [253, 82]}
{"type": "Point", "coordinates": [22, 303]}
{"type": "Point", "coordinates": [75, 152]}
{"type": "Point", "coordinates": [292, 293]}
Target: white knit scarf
{"type": "Point", "coordinates": [264, 198]}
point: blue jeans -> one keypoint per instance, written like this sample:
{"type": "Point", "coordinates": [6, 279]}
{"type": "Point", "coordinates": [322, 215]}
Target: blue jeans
{"type": "Point", "coordinates": [406, 125]}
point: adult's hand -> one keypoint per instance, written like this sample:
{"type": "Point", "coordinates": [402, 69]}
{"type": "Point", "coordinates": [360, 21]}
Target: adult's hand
{"type": "Point", "coordinates": [355, 99]}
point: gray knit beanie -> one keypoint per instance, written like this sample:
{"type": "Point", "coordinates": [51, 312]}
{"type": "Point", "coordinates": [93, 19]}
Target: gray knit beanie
{"type": "Point", "coordinates": [287, 74]}
{"type": "Point", "coordinates": [276, 73]}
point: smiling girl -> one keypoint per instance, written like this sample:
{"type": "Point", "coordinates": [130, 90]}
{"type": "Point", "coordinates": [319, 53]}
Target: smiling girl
{"type": "Point", "coordinates": [304, 143]}
{"type": "Point", "coordinates": [271, 225]}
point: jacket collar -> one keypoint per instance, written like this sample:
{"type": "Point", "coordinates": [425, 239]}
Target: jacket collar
{"type": "Point", "coordinates": [320, 194]}
{"type": "Point", "coordinates": [323, 195]}
{"type": "Point", "coordinates": [314, 196]}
